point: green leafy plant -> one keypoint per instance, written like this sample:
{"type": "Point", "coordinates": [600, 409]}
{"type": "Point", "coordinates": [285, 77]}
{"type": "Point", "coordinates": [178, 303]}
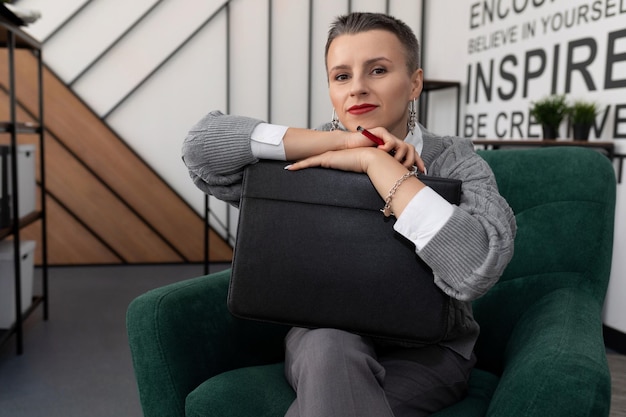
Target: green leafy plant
{"type": "Point", "coordinates": [582, 115]}
{"type": "Point", "coordinates": [549, 111]}
{"type": "Point", "coordinates": [582, 112]}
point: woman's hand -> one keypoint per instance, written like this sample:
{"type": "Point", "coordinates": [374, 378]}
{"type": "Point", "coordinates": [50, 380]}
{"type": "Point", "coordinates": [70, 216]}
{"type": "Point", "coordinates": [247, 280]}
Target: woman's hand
{"type": "Point", "coordinates": [355, 160]}
{"type": "Point", "coordinates": [381, 167]}
{"type": "Point", "coordinates": [403, 152]}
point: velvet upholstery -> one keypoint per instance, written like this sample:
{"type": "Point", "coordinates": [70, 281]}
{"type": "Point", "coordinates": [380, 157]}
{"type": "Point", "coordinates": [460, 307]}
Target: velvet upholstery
{"type": "Point", "coordinates": [540, 352]}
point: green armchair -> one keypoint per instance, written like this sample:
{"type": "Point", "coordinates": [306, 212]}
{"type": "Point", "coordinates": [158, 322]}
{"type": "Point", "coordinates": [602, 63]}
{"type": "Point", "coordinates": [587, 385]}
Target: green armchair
{"type": "Point", "coordinates": [540, 352]}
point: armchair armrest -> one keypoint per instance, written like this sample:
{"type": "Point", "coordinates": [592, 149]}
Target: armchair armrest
{"type": "Point", "coordinates": [555, 361]}
{"type": "Point", "coordinates": [182, 334]}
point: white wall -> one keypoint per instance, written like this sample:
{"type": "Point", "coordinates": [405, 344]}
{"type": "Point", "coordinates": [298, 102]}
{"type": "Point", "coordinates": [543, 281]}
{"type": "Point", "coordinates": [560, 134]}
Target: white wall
{"type": "Point", "coordinates": [567, 53]}
{"type": "Point", "coordinates": [154, 117]}
{"type": "Point", "coordinates": [156, 112]}
{"type": "Point", "coordinates": [443, 59]}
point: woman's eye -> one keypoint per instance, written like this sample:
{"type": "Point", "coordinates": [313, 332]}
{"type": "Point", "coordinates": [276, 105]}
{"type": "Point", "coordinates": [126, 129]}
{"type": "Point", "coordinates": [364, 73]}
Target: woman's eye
{"type": "Point", "coordinates": [379, 71]}
{"type": "Point", "coordinates": [341, 77]}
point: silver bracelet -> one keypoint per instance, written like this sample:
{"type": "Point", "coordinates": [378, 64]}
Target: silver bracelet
{"type": "Point", "coordinates": [387, 209]}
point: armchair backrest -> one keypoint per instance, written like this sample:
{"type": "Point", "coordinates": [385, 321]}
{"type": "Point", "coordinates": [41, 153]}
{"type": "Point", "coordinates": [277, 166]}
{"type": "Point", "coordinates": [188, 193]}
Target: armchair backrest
{"type": "Point", "coordinates": [564, 202]}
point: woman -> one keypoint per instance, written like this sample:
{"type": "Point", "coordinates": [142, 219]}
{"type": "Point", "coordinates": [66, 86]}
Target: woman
{"type": "Point", "coordinates": [374, 78]}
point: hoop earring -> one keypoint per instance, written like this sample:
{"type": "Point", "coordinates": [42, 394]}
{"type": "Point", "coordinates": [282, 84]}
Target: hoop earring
{"type": "Point", "coordinates": [412, 122]}
{"type": "Point", "coordinates": [334, 123]}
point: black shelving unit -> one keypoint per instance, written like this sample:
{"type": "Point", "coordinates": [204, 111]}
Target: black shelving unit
{"type": "Point", "coordinates": [13, 38]}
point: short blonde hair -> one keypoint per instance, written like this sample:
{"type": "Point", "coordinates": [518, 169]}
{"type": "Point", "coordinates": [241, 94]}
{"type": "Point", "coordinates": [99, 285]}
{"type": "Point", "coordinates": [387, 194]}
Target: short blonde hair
{"type": "Point", "coordinates": [358, 22]}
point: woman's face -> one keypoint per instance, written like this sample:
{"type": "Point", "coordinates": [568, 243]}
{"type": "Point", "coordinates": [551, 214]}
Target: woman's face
{"type": "Point", "coordinates": [369, 83]}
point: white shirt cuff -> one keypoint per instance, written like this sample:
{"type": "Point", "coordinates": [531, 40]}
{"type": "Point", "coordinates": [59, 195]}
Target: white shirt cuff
{"type": "Point", "coordinates": [267, 141]}
{"type": "Point", "coordinates": [423, 217]}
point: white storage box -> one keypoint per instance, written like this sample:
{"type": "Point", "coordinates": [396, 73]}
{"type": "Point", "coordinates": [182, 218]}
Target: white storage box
{"type": "Point", "coordinates": [7, 279]}
{"type": "Point", "coordinates": [25, 179]}
{"type": "Point", "coordinates": [5, 212]}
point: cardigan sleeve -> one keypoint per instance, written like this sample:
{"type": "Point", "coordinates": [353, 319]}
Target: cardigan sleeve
{"type": "Point", "coordinates": [470, 252]}
{"type": "Point", "coordinates": [216, 151]}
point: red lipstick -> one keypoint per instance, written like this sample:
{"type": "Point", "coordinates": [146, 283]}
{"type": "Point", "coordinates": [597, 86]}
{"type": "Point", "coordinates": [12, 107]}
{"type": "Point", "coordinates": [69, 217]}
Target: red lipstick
{"type": "Point", "coordinates": [361, 108]}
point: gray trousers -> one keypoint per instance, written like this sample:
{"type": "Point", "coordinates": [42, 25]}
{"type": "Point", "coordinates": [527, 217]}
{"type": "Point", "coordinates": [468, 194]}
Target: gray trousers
{"type": "Point", "coordinates": [336, 373]}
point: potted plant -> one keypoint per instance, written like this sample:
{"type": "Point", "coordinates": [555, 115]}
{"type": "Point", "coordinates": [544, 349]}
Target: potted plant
{"type": "Point", "coordinates": [549, 112]}
{"type": "Point", "coordinates": [582, 115]}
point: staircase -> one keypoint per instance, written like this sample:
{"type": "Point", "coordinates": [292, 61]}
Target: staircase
{"type": "Point", "coordinates": [105, 204]}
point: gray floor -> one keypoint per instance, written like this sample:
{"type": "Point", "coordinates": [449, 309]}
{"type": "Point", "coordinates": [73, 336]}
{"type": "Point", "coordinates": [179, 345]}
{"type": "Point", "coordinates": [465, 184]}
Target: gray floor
{"type": "Point", "coordinates": [78, 363]}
